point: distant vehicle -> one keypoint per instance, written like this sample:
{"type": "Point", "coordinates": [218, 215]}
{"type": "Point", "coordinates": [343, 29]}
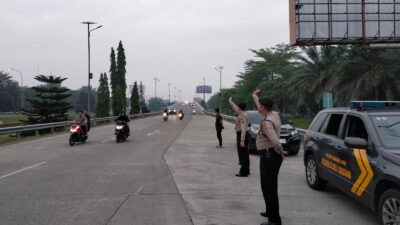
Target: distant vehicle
{"type": "Point", "coordinates": [289, 138]}
{"type": "Point", "coordinates": [181, 115]}
{"type": "Point", "coordinates": [165, 116]}
{"type": "Point", "coordinates": [76, 134]}
{"type": "Point", "coordinates": [357, 149]}
{"type": "Point", "coordinates": [121, 131]}
{"type": "Point", "coordinates": [172, 112]}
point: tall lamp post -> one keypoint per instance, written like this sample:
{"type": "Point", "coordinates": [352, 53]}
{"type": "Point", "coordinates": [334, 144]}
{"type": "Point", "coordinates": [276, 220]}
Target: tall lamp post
{"type": "Point", "coordinates": [22, 87]}
{"type": "Point", "coordinates": [204, 90]}
{"type": "Point", "coordinates": [220, 68]}
{"type": "Point", "coordinates": [169, 93]}
{"type": "Point", "coordinates": [90, 76]}
{"type": "Point", "coordinates": [155, 86]}
{"type": "Point", "coordinates": [175, 94]}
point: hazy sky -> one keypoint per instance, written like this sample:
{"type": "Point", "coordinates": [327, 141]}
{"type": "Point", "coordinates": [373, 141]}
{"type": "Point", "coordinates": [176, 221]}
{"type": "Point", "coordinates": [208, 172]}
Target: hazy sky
{"type": "Point", "coordinates": [177, 41]}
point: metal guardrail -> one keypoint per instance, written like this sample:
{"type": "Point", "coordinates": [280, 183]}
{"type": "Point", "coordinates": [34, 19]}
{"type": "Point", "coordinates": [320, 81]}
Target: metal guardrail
{"type": "Point", "coordinates": [37, 127]}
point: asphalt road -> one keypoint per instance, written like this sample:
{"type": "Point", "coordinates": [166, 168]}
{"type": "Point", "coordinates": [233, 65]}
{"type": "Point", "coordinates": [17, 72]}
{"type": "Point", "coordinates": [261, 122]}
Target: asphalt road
{"type": "Point", "coordinates": [46, 181]}
{"type": "Point", "coordinates": [166, 173]}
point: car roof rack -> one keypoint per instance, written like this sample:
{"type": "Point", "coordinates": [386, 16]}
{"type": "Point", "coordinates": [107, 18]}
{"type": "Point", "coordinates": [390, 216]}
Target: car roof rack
{"type": "Point", "coordinates": [364, 105]}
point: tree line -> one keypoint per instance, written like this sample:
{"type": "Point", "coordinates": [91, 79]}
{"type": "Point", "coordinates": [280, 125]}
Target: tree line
{"type": "Point", "coordinates": [51, 102]}
{"type": "Point", "coordinates": [297, 78]}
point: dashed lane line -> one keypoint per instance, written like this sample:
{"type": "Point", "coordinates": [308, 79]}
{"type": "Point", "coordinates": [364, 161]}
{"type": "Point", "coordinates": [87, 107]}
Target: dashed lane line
{"type": "Point", "coordinates": [22, 170]}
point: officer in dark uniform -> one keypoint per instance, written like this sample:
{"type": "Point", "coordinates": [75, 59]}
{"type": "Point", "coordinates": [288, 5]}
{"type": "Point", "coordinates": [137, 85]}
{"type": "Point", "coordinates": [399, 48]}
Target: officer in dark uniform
{"type": "Point", "coordinates": [271, 156]}
{"type": "Point", "coordinates": [219, 126]}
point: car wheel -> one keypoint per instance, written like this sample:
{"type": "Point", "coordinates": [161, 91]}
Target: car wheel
{"type": "Point", "coordinates": [389, 207]}
{"type": "Point", "coordinates": [312, 176]}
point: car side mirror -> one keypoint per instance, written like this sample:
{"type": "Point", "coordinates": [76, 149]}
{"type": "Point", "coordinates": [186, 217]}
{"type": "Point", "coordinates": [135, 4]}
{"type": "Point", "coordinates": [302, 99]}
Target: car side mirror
{"type": "Point", "coordinates": [353, 142]}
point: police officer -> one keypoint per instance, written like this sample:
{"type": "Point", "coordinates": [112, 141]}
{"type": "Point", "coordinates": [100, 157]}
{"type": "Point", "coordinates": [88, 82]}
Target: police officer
{"type": "Point", "coordinates": [271, 156]}
{"type": "Point", "coordinates": [242, 128]}
{"type": "Point", "coordinates": [219, 126]}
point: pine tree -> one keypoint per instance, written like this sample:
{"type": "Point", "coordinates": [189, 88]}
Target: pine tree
{"type": "Point", "coordinates": [49, 103]}
{"type": "Point", "coordinates": [135, 105]}
{"type": "Point", "coordinates": [114, 83]}
{"type": "Point", "coordinates": [103, 96]}
{"type": "Point", "coordinates": [121, 80]}
{"type": "Point", "coordinates": [143, 106]}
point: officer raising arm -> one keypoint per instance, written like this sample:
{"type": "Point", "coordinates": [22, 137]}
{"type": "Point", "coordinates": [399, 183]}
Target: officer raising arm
{"type": "Point", "coordinates": [242, 128]}
{"type": "Point", "coordinates": [271, 156]}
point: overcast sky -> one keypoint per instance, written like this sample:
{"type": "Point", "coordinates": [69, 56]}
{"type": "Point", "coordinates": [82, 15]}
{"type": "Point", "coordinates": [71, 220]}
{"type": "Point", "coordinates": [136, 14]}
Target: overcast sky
{"type": "Point", "coordinates": [177, 41]}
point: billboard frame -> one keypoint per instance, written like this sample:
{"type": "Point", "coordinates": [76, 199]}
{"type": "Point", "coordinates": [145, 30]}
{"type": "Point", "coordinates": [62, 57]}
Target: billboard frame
{"type": "Point", "coordinates": [364, 15]}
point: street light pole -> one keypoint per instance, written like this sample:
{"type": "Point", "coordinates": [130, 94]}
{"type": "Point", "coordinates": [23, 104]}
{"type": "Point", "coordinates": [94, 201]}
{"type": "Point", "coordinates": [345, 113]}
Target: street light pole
{"type": "Point", "coordinates": [90, 76]}
{"type": "Point", "coordinates": [204, 89]}
{"type": "Point", "coordinates": [219, 68]}
{"type": "Point", "coordinates": [175, 94]}
{"type": "Point", "coordinates": [155, 85]}
{"type": "Point", "coordinates": [22, 87]}
{"type": "Point", "coordinates": [169, 93]}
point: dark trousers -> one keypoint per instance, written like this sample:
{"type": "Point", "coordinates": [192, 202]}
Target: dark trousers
{"type": "Point", "coordinates": [219, 136]}
{"type": "Point", "coordinates": [243, 153]}
{"type": "Point", "coordinates": [270, 163]}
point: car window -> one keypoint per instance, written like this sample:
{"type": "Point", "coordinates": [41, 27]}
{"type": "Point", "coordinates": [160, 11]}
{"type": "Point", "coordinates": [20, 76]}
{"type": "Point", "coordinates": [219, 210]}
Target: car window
{"type": "Point", "coordinates": [355, 128]}
{"type": "Point", "coordinates": [255, 117]}
{"type": "Point", "coordinates": [317, 123]}
{"type": "Point", "coordinates": [333, 125]}
{"type": "Point", "coordinates": [388, 128]}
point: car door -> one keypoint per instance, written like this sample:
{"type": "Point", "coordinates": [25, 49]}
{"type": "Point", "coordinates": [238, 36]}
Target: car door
{"type": "Point", "coordinates": [328, 147]}
{"type": "Point", "coordinates": [357, 171]}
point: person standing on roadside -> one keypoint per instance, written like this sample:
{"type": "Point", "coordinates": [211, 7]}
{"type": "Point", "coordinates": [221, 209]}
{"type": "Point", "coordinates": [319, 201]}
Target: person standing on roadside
{"type": "Point", "coordinates": [271, 157]}
{"type": "Point", "coordinates": [242, 136]}
{"type": "Point", "coordinates": [219, 126]}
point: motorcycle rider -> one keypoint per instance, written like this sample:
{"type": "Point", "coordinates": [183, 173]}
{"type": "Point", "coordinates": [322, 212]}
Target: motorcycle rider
{"type": "Point", "coordinates": [82, 119]}
{"type": "Point", "coordinates": [166, 111]}
{"type": "Point", "coordinates": [85, 112]}
{"type": "Point", "coordinates": [123, 117]}
{"type": "Point", "coordinates": [181, 112]}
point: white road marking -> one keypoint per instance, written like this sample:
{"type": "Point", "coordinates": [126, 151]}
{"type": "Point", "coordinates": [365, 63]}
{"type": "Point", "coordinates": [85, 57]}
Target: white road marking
{"type": "Point", "coordinates": [139, 189]}
{"type": "Point", "coordinates": [22, 170]}
{"type": "Point", "coordinates": [153, 133]}
{"type": "Point", "coordinates": [107, 140]}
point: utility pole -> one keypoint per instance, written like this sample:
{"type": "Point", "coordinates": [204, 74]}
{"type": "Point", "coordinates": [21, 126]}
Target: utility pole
{"type": "Point", "coordinates": [169, 93]}
{"type": "Point", "coordinates": [155, 86]}
{"type": "Point", "coordinates": [219, 68]}
{"type": "Point", "coordinates": [90, 76]}
{"type": "Point", "coordinates": [204, 89]}
{"type": "Point", "coordinates": [22, 87]}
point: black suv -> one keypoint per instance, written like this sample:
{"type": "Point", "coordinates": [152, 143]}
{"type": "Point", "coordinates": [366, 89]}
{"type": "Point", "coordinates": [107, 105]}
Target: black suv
{"type": "Point", "coordinates": [289, 138]}
{"type": "Point", "coordinates": [357, 149]}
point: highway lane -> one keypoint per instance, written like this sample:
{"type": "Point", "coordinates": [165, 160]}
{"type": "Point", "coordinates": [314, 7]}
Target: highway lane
{"type": "Point", "coordinates": [46, 181]}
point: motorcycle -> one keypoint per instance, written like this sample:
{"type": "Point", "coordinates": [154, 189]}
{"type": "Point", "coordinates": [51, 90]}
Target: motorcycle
{"type": "Point", "coordinates": [121, 132]}
{"type": "Point", "coordinates": [77, 134]}
{"type": "Point", "coordinates": [165, 117]}
{"type": "Point", "coordinates": [180, 115]}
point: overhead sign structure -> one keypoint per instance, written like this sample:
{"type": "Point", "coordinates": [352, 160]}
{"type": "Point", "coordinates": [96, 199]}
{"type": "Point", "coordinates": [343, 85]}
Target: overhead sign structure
{"type": "Point", "coordinates": [203, 89]}
{"type": "Point", "coordinates": [324, 22]}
